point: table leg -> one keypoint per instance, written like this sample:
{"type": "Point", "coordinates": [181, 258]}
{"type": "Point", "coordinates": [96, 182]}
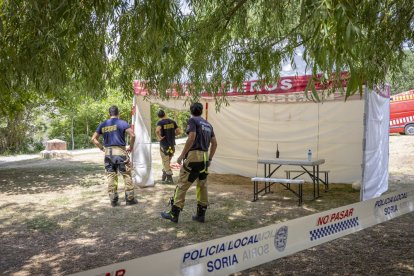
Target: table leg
{"type": "Point", "coordinates": [268, 173]}
{"type": "Point", "coordinates": [255, 188]}
{"type": "Point", "coordinates": [317, 179]}
{"type": "Point", "coordinates": [268, 184]}
{"type": "Point", "coordinates": [288, 177]}
{"type": "Point", "coordinates": [314, 182]}
{"type": "Point", "coordinates": [326, 182]}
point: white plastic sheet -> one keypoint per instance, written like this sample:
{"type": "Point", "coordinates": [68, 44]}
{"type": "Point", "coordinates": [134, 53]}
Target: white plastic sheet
{"type": "Point", "coordinates": [141, 155]}
{"type": "Point", "coordinates": [376, 152]}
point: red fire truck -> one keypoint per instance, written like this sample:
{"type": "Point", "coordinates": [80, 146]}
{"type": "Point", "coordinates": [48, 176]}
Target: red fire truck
{"type": "Point", "coordinates": [402, 113]}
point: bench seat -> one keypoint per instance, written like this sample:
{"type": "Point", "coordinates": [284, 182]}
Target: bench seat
{"type": "Point", "coordinates": [270, 181]}
{"type": "Point", "coordinates": [278, 180]}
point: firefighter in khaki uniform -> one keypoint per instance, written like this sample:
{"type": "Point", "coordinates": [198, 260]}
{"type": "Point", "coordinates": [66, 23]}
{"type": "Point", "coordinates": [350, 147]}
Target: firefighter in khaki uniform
{"type": "Point", "coordinates": [166, 131]}
{"type": "Point", "coordinates": [196, 161]}
{"type": "Point", "coordinates": [116, 155]}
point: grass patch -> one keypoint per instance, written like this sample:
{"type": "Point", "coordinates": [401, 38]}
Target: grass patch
{"type": "Point", "coordinates": [88, 194]}
{"type": "Point", "coordinates": [41, 223]}
{"type": "Point", "coordinates": [92, 168]}
{"type": "Point", "coordinates": [60, 201]}
{"type": "Point", "coordinates": [87, 182]}
{"type": "Point", "coordinates": [77, 221]}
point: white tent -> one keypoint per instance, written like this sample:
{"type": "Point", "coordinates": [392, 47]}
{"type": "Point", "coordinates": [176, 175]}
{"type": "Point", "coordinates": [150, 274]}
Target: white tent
{"type": "Point", "coordinates": [352, 135]}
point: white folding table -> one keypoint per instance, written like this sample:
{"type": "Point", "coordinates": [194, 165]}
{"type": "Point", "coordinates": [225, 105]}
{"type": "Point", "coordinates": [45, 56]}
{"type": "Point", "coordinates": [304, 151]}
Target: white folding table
{"type": "Point", "coordinates": [313, 171]}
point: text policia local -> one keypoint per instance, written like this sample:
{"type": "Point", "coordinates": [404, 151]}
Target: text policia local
{"type": "Point", "coordinates": [193, 257]}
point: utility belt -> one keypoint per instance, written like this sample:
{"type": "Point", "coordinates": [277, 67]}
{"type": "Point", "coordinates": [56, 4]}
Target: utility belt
{"type": "Point", "coordinates": [197, 156]}
{"type": "Point", "coordinates": [116, 156]}
{"type": "Point", "coordinates": [196, 160]}
{"type": "Point", "coordinates": [116, 150]}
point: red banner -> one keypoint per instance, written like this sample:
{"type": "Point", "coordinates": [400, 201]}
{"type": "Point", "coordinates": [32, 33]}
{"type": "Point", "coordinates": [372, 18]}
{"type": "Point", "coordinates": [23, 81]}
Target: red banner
{"type": "Point", "coordinates": [285, 85]}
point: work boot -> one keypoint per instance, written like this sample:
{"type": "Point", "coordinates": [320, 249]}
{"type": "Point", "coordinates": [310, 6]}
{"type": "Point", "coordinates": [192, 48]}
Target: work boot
{"type": "Point", "coordinates": [171, 201]}
{"type": "Point", "coordinates": [132, 201]}
{"type": "Point", "coordinates": [164, 176]}
{"type": "Point", "coordinates": [201, 213]}
{"type": "Point", "coordinates": [114, 200]}
{"type": "Point", "coordinates": [173, 214]}
{"type": "Point", "coordinates": [169, 179]}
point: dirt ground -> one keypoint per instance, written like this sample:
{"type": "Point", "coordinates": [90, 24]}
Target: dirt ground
{"type": "Point", "coordinates": [55, 219]}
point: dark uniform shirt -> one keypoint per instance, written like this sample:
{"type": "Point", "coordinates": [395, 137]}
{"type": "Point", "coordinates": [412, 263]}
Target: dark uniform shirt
{"type": "Point", "coordinates": [113, 131]}
{"type": "Point", "coordinates": [168, 128]}
{"type": "Point", "coordinates": [204, 133]}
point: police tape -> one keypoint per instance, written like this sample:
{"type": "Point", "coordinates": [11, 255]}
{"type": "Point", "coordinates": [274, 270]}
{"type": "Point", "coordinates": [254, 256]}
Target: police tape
{"type": "Point", "coordinates": [251, 248]}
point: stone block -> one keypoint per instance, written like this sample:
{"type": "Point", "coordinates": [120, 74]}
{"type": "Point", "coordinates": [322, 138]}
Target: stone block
{"type": "Point", "coordinates": [56, 144]}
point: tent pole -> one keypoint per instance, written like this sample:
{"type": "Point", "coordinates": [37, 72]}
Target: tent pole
{"type": "Point", "coordinates": [206, 111]}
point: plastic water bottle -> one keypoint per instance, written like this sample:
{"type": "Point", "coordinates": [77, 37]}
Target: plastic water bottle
{"type": "Point", "coordinates": [309, 155]}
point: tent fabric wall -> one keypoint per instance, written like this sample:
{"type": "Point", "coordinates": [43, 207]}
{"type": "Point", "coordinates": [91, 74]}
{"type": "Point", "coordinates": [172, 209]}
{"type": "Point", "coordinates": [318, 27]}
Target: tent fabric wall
{"type": "Point", "coordinates": [250, 130]}
{"type": "Point", "coordinates": [376, 152]}
{"type": "Point", "coordinates": [247, 132]}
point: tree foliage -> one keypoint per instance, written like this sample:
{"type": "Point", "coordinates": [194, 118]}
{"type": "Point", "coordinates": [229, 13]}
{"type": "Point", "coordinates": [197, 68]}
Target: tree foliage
{"type": "Point", "coordinates": [23, 131]}
{"type": "Point", "coordinates": [77, 122]}
{"type": "Point", "coordinates": [402, 78]}
{"type": "Point", "coordinates": [180, 117]}
{"type": "Point", "coordinates": [46, 46]}
{"type": "Point", "coordinates": [29, 129]}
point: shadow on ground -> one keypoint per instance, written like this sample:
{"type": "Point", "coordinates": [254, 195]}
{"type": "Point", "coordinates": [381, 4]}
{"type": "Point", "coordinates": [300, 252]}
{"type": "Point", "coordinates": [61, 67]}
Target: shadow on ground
{"type": "Point", "coordinates": [55, 219]}
{"type": "Point", "coordinates": [40, 175]}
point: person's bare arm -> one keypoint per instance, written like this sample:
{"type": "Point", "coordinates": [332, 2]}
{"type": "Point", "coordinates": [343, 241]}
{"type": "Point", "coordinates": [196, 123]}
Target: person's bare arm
{"type": "Point", "coordinates": [131, 139]}
{"type": "Point", "coordinates": [213, 147]}
{"type": "Point", "coordinates": [187, 146]}
{"type": "Point", "coordinates": [177, 131]}
{"type": "Point", "coordinates": [95, 140]}
{"type": "Point", "coordinates": [158, 133]}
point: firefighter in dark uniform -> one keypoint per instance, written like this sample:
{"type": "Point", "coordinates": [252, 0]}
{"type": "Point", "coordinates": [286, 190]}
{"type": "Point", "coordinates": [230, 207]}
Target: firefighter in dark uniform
{"type": "Point", "coordinates": [196, 161]}
{"type": "Point", "coordinates": [116, 155]}
{"type": "Point", "coordinates": [166, 131]}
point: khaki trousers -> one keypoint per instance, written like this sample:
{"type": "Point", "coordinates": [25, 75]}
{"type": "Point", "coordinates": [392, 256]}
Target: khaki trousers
{"type": "Point", "coordinates": [166, 161]}
{"type": "Point", "coordinates": [194, 169]}
{"type": "Point", "coordinates": [117, 161]}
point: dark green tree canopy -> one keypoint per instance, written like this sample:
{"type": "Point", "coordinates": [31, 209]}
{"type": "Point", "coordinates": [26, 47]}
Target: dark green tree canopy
{"type": "Point", "coordinates": [402, 80]}
{"type": "Point", "coordinates": [47, 46]}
